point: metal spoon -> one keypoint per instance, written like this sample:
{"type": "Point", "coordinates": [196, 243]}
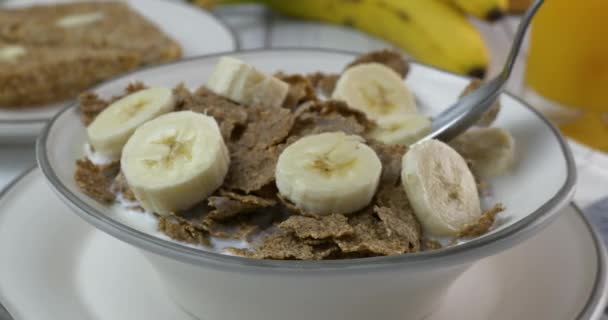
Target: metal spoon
{"type": "Point", "coordinates": [4, 315]}
{"type": "Point", "coordinates": [469, 109]}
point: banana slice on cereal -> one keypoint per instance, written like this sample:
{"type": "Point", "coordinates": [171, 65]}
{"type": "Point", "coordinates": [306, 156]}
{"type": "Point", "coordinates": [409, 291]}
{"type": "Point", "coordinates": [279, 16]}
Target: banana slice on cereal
{"type": "Point", "coordinates": [175, 161]}
{"type": "Point", "coordinates": [240, 82]}
{"type": "Point", "coordinates": [111, 129]}
{"type": "Point", "coordinates": [491, 151]}
{"type": "Point", "coordinates": [328, 173]}
{"type": "Point", "coordinates": [376, 90]}
{"type": "Point", "coordinates": [11, 53]}
{"type": "Point", "coordinates": [79, 20]}
{"type": "Point", "coordinates": [403, 129]}
{"type": "Point", "coordinates": [440, 187]}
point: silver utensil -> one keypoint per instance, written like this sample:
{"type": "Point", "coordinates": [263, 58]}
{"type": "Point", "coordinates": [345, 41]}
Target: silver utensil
{"type": "Point", "coordinates": [4, 315]}
{"type": "Point", "coordinates": [468, 109]}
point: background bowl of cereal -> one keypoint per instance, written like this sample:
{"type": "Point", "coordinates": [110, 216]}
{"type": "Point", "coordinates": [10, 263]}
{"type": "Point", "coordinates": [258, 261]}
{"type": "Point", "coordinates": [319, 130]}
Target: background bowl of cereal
{"type": "Point", "coordinates": [250, 248]}
{"type": "Point", "coordinates": [51, 50]}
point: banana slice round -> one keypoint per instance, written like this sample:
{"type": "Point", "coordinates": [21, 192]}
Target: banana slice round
{"type": "Point", "coordinates": [403, 129]}
{"type": "Point", "coordinates": [113, 126]}
{"type": "Point", "coordinates": [440, 187]}
{"type": "Point", "coordinates": [11, 53]}
{"type": "Point", "coordinates": [175, 161]}
{"type": "Point", "coordinates": [376, 90]}
{"type": "Point", "coordinates": [490, 150]}
{"type": "Point", "coordinates": [243, 83]}
{"type": "Point", "coordinates": [328, 173]}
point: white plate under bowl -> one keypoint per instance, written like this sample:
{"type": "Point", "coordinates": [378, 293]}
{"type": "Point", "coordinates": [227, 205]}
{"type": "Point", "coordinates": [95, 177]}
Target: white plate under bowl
{"type": "Point", "coordinates": [56, 266]}
{"type": "Point", "coordinates": [196, 30]}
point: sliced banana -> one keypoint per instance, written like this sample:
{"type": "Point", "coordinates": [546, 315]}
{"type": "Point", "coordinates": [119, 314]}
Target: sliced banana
{"type": "Point", "coordinates": [376, 90]}
{"type": "Point", "coordinates": [112, 127]}
{"type": "Point", "coordinates": [440, 187]}
{"type": "Point", "coordinates": [403, 129]}
{"type": "Point", "coordinates": [175, 161]}
{"type": "Point", "coordinates": [491, 151]}
{"type": "Point", "coordinates": [81, 19]}
{"type": "Point", "coordinates": [11, 53]}
{"type": "Point", "coordinates": [328, 173]}
{"type": "Point", "coordinates": [240, 82]}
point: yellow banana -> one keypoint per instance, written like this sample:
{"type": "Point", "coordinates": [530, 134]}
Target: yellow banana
{"type": "Point", "coordinates": [432, 31]}
{"type": "Point", "coordinates": [490, 10]}
{"type": "Point", "coordinates": [518, 6]}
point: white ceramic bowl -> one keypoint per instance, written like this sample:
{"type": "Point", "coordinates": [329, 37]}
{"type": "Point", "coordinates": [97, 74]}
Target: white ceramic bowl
{"type": "Point", "coordinates": [215, 286]}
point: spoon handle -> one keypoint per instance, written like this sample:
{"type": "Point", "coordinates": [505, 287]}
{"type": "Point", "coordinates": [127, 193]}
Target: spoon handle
{"type": "Point", "coordinates": [469, 109]}
{"type": "Point", "coordinates": [519, 37]}
{"type": "Point", "coordinates": [4, 314]}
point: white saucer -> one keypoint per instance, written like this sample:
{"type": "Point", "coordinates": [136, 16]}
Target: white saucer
{"type": "Point", "coordinates": [196, 30]}
{"type": "Point", "coordinates": [55, 266]}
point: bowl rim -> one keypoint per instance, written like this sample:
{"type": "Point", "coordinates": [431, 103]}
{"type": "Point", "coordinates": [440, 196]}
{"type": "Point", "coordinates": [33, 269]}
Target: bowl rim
{"type": "Point", "coordinates": [448, 256]}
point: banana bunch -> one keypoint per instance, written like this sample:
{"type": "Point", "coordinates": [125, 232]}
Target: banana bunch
{"type": "Point", "coordinates": [435, 32]}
